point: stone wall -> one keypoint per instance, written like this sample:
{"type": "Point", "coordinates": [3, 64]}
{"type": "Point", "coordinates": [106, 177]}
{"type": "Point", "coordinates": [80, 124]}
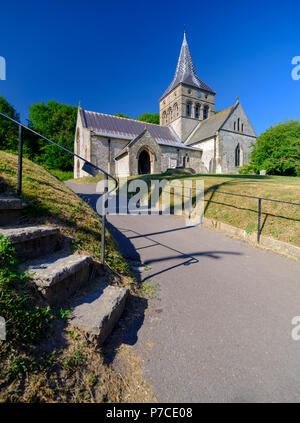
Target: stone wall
{"type": "Point", "coordinates": [82, 146]}
{"type": "Point", "coordinates": [208, 154]}
{"type": "Point", "coordinates": [104, 151]}
{"type": "Point", "coordinates": [228, 144]}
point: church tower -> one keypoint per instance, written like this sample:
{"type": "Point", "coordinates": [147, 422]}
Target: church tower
{"type": "Point", "coordinates": [188, 99]}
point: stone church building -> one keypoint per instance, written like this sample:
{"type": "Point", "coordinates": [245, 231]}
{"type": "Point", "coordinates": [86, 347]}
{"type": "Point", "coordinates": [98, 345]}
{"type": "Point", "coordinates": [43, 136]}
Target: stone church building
{"type": "Point", "coordinates": [190, 133]}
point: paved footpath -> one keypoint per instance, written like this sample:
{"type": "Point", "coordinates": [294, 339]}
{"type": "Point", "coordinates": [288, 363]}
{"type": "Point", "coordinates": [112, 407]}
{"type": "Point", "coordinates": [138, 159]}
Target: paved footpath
{"type": "Point", "coordinates": [221, 331]}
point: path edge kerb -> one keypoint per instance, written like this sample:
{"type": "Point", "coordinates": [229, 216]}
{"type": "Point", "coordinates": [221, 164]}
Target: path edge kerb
{"type": "Point", "coordinates": [280, 247]}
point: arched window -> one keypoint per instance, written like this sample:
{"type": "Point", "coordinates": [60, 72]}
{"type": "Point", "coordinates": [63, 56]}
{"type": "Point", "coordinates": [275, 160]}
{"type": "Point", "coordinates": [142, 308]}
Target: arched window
{"type": "Point", "coordinates": [175, 109]}
{"type": "Point", "coordinates": [205, 112]}
{"type": "Point", "coordinates": [238, 124]}
{"type": "Point", "coordinates": [238, 155]}
{"type": "Point", "coordinates": [168, 116]}
{"type": "Point", "coordinates": [197, 111]}
{"type": "Point", "coordinates": [164, 118]}
{"type": "Point", "coordinates": [234, 125]}
{"type": "Point", "coordinates": [188, 109]}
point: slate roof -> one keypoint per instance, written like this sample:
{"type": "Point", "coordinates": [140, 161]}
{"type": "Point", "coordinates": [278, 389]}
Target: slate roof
{"type": "Point", "coordinates": [185, 71]}
{"type": "Point", "coordinates": [117, 127]}
{"type": "Point", "coordinates": [177, 145]}
{"type": "Point", "coordinates": [208, 127]}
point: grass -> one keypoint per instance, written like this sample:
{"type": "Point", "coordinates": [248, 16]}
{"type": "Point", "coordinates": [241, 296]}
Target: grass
{"type": "Point", "coordinates": [88, 179]}
{"type": "Point", "coordinates": [61, 174]}
{"type": "Point", "coordinates": [44, 359]}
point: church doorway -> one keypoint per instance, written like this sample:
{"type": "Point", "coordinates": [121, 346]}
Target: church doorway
{"type": "Point", "coordinates": [144, 163]}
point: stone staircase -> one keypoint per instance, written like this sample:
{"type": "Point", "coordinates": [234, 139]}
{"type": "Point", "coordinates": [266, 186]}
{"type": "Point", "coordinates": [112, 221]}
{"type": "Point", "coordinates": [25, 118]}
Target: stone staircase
{"type": "Point", "coordinates": [62, 277]}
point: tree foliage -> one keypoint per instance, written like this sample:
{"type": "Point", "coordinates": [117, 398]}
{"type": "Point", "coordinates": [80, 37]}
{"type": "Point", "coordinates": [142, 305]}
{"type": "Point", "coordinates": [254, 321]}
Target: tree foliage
{"type": "Point", "coordinates": [277, 150]}
{"type": "Point", "coordinates": [149, 117]}
{"type": "Point", "coordinates": [122, 115]}
{"type": "Point", "coordinates": [8, 130]}
{"type": "Point", "coordinates": [56, 121]}
{"type": "Point", "coordinates": [145, 117]}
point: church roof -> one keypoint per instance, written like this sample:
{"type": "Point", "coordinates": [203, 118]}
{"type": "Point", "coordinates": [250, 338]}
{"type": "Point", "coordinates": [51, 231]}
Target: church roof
{"type": "Point", "coordinates": [177, 145]}
{"type": "Point", "coordinates": [208, 127]}
{"type": "Point", "coordinates": [185, 72]}
{"type": "Point", "coordinates": [117, 127]}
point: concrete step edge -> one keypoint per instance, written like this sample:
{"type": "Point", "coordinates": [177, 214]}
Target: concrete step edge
{"type": "Point", "coordinates": [21, 234]}
{"type": "Point", "coordinates": [47, 272]}
{"type": "Point", "coordinates": [96, 313]}
{"type": "Point", "coordinates": [11, 203]}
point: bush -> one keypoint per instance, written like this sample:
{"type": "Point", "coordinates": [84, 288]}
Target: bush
{"type": "Point", "coordinates": [26, 322]}
{"type": "Point", "coordinates": [277, 150]}
{"type": "Point", "coordinates": [247, 169]}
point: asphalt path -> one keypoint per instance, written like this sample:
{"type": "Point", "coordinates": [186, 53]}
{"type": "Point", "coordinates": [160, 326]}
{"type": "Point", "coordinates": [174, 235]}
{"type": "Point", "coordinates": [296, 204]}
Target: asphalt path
{"type": "Point", "coordinates": [220, 329]}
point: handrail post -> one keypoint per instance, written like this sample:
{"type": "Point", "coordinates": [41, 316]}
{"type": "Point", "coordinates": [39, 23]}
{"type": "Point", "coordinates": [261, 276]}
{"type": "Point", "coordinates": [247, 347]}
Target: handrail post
{"type": "Point", "coordinates": [104, 218]}
{"type": "Point", "coordinates": [20, 161]}
{"type": "Point", "coordinates": [258, 222]}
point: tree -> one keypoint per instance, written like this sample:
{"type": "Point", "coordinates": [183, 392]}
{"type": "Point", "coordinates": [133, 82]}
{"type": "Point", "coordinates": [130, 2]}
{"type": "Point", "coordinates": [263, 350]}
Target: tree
{"type": "Point", "coordinates": [149, 117]}
{"type": "Point", "coordinates": [277, 150]}
{"type": "Point", "coordinates": [145, 117]}
{"type": "Point", "coordinates": [122, 115]}
{"type": "Point", "coordinates": [56, 121]}
{"type": "Point", "coordinates": [8, 130]}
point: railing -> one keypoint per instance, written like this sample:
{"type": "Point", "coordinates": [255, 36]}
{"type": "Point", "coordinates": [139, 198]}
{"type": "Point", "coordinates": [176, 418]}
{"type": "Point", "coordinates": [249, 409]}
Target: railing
{"type": "Point", "coordinates": [260, 199]}
{"type": "Point", "coordinates": [87, 167]}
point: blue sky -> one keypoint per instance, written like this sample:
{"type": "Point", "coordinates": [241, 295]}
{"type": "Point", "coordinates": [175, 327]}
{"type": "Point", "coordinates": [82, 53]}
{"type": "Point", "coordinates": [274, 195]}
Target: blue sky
{"type": "Point", "coordinates": [120, 56]}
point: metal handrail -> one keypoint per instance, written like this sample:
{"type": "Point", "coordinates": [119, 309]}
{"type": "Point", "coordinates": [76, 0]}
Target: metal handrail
{"type": "Point", "coordinates": [243, 195]}
{"type": "Point", "coordinates": [106, 175]}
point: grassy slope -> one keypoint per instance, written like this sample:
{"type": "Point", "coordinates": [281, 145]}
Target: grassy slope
{"type": "Point", "coordinates": [71, 369]}
{"type": "Point", "coordinates": [280, 221]}
{"type": "Point", "coordinates": [50, 201]}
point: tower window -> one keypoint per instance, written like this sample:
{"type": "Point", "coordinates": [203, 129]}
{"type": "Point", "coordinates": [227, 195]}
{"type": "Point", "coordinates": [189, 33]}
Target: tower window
{"type": "Point", "coordinates": [205, 112]}
{"type": "Point", "coordinates": [237, 155]}
{"type": "Point", "coordinates": [175, 110]}
{"type": "Point", "coordinates": [238, 124]}
{"type": "Point", "coordinates": [188, 109]}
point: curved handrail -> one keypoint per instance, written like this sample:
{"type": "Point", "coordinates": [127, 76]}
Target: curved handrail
{"type": "Point", "coordinates": [65, 149]}
{"type": "Point", "coordinates": [106, 174]}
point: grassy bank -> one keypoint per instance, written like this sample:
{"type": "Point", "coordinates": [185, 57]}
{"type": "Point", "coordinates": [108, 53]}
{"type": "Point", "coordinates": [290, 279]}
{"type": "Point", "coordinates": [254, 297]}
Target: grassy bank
{"type": "Point", "coordinates": [280, 221]}
{"type": "Point", "coordinates": [44, 359]}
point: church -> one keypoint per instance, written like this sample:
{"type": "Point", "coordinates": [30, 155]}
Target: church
{"type": "Point", "coordinates": [190, 134]}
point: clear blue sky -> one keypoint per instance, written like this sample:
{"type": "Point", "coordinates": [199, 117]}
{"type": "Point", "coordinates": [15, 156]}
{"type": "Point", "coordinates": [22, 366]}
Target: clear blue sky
{"type": "Point", "coordinates": [120, 56]}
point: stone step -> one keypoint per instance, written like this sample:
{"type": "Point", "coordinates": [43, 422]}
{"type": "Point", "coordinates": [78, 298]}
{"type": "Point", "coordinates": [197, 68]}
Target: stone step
{"type": "Point", "coordinates": [58, 277]}
{"type": "Point", "coordinates": [10, 210]}
{"type": "Point", "coordinates": [97, 312]}
{"type": "Point", "coordinates": [33, 241]}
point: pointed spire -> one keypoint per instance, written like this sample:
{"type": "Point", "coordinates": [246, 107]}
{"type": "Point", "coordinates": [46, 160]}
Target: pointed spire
{"type": "Point", "coordinates": [185, 71]}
